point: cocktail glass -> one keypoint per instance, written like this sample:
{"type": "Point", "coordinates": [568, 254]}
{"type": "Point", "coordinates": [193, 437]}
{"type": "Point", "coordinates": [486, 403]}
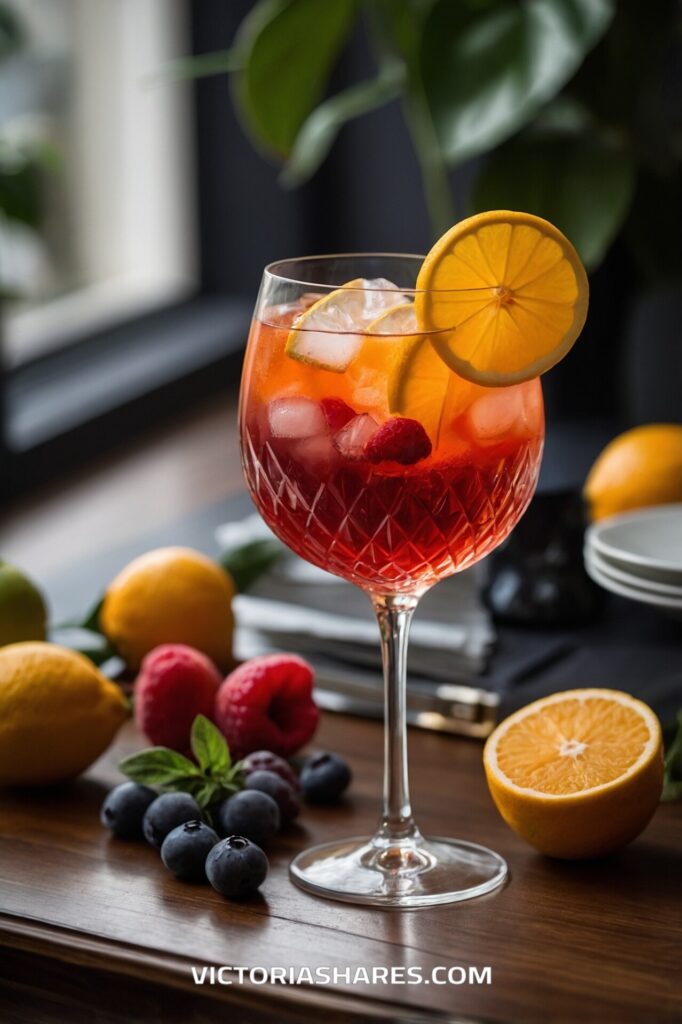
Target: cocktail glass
{"type": "Point", "coordinates": [393, 526]}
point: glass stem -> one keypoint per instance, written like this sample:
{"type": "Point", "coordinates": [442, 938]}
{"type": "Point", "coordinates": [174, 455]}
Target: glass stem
{"type": "Point", "coordinates": [394, 614]}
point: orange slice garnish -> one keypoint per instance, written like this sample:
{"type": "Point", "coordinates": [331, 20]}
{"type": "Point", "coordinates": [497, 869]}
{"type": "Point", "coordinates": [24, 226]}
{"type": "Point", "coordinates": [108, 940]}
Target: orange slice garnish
{"type": "Point", "coordinates": [508, 294]}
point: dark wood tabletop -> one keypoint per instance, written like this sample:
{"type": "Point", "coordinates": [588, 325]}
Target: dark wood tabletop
{"type": "Point", "coordinates": [94, 929]}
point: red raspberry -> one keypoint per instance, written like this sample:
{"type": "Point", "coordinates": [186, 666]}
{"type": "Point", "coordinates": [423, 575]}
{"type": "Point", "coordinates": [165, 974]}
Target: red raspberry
{"type": "Point", "coordinates": [267, 703]}
{"type": "Point", "coordinates": [337, 413]}
{"type": "Point", "coordinates": [399, 440]}
{"type": "Point", "coordinates": [176, 683]}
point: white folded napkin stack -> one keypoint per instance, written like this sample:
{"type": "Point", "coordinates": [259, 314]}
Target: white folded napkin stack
{"type": "Point", "coordinates": [295, 606]}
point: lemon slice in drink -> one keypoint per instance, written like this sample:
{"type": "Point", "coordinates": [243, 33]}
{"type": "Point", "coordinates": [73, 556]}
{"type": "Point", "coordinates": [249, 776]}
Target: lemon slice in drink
{"type": "Point", "coordinates": [331, 332]}
{"type": "Point", "coordinates": [508, 293]}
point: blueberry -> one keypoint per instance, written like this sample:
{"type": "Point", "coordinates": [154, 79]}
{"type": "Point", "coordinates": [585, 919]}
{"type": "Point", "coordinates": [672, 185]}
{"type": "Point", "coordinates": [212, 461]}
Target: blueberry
{"type": "Point", "coordinates": [280, 791]}
{"type": "Point", "coordinates": [185, 849]}
{"type": "Point", "coordinates": [167, 812]}
{"type": "Point", "coordinates": [235, 867]}
{"type": "Point", "coordinates": [266, 761]}
{"type": "Point", "coordinates": [324, 777]}
{"type": "Point", "coordinates": [124, 808]}
{"type": "Point", "coordinates": [251, 814]}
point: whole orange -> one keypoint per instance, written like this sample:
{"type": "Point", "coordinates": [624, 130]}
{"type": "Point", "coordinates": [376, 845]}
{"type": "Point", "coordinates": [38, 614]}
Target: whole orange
{"type": "Point", "coordinates": [170, 595]}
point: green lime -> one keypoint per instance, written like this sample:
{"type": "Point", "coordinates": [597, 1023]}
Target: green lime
{"type": "Point", "coordinates": [22, 608]}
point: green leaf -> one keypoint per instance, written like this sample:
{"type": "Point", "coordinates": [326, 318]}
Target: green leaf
{"type": "Point", "coordinates": [488, 66]}
{"type": "Point", "coordinates": [672, 777]}
{"type": "Point", "coordinates": [210, 748]}
{"type": "Point", "coordinates": [289, 48]}
{"type": "Point", "coordinates": [319, 131]}
{"type": "Point", "coordinates": [580, 183]}
{"type": "Point", "coordinates": [246, 563]}
{"type": "Point", "coordinates": [202, 66]}
{"type": "Point", "coordinates": [21, 194]}
{"type": "Point", "coordinates": [159, 766]}
{"type": "Point", "coordinates": [12, 32]}
{"type": "Point", "coordinates": [91, 620]}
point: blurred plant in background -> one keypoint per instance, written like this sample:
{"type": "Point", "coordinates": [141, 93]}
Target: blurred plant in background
{"type": "Point", "coordinates": [571, 106]}
{"type": "Point", "coordinates": [26, 156]}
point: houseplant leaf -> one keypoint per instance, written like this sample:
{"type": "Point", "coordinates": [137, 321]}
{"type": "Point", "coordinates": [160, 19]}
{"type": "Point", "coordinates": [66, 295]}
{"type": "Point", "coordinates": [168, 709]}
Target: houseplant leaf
{"type": "Point", "coordinates": [489, 65]}
{"type": "Point", "coordinates": [581, 183]}
{"type": "Point", "coordinates": [288, 48]}
{"type": "Point", "coordinates": [318, 132]}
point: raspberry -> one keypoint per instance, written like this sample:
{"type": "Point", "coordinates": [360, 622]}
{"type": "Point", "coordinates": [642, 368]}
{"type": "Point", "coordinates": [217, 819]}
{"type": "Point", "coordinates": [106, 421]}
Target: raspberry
{"type": "Point", "coordinates": [352, 439]}
{"type": "Point", "coordinates": [399, 440]}
{"type": "Point", "coordinates": [337, 413]}
{"type": "Point", "coordinates": [176, 683]}
{"type": "Point", "coordinates": [267, 703]}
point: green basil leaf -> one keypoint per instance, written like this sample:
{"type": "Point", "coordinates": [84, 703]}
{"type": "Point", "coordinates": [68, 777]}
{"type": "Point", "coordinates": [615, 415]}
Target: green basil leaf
{"type": "Point", "coordinates": [319, 131]}
{"type": "Point", "coordinates": [210, 748]}
{"type": "Point", "coordinates": [289, 49]}
{"type": "Point", "coordinates": [159, 766]}
{"type": "Point", "coordinates": [246, 563]}
{"type": "Point", "coordinates": [581, 183]}
{"type": "Point", "coordinates": [488, 66]}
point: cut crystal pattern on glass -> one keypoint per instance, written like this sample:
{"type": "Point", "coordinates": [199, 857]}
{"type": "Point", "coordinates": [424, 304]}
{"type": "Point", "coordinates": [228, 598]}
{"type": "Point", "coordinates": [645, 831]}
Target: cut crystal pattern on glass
{"type": "Point", "coordinates": [393, 533]}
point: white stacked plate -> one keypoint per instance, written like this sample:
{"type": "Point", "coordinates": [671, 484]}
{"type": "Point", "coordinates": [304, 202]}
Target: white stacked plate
{"type": "Point", "coordinates": [639, 555]}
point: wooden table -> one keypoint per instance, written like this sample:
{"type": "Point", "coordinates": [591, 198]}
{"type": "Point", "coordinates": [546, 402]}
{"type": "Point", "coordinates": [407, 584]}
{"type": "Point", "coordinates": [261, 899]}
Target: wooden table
{"type": "Point", "coordinates": [94, 929]}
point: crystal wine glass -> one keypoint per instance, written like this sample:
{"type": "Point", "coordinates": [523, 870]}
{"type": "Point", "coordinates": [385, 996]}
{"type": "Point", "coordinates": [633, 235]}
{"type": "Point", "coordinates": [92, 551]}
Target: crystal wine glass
{"type": "Point", "coordinates": [370, 458]}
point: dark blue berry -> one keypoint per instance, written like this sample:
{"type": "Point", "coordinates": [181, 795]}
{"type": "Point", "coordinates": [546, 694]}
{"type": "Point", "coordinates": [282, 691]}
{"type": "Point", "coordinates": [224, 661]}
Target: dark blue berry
{"type": "Point", "coordinates": [324, 777]}
{"type": "Point", "coordinates": [266, 761]}
{"type": "Point", "coordinates": [124, 808]}
{"type": "Point", "coordinates": [167, 812]}
{"type": "Point", "coordinates": [235, 867]}
{"type": "Point", "coordinates": [185, 849]}
{"type": "Point", "coordinates": [251, 814]}
{"type": "Point", "coordinates": [280, 791]}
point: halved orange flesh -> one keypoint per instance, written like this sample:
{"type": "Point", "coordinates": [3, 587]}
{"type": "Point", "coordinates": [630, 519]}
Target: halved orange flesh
{"type": "Point", "coordinates": [577, 774]}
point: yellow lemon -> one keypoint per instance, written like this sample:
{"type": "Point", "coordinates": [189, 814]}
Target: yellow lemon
{"type": "Point", "coordinates": [508, 294]}
{"type": "Point", "coordinates": [22, 609]}
{"type": "Point", "coordinates": [170, 595]}
{"type": "Point", "coordinates": [578, 774]}
{"type": "Point", "coordinates": [58, 713]}
{"type": "Point", "coordinates": [641, 467]}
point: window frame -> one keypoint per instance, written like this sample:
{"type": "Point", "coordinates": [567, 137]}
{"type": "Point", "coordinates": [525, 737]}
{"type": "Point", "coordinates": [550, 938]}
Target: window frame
{"type": "Point", "coordinates": [41, 435]}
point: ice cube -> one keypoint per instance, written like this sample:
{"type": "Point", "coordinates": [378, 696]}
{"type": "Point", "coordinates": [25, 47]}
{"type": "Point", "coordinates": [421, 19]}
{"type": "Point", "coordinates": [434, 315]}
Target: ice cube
{"type": "Point", "coordinates": [378, 295]}
{"type": "Point", "coordinates": [296, 417]}
{"type": "Point", "coordinates": [315, 453]}
{"type": "Point", "coordinates": [352, 438]}
{"type": "Point", "coordinates": [497, 414]}
{"type": "Point", "coordinates": [330, 334]}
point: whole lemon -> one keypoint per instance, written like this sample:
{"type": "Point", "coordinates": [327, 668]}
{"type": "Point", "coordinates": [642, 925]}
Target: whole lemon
{"type": "Point", "coordinates": [639, 468]}
{"type": "Point", "coordinates": [58, 713]}
{"type": "Point", "coordinates": [22, 609]}
{"type": "Point", "coordinates": [170, 595]}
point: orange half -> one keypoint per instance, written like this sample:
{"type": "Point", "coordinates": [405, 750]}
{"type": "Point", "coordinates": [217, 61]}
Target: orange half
{"type": "Point", "coordinates": [577, 774]}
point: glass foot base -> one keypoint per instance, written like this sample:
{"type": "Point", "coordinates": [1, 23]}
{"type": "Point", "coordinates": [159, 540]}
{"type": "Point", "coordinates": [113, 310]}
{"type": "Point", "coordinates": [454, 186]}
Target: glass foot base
{"type": "Point", "coordinates": [417, 874]}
